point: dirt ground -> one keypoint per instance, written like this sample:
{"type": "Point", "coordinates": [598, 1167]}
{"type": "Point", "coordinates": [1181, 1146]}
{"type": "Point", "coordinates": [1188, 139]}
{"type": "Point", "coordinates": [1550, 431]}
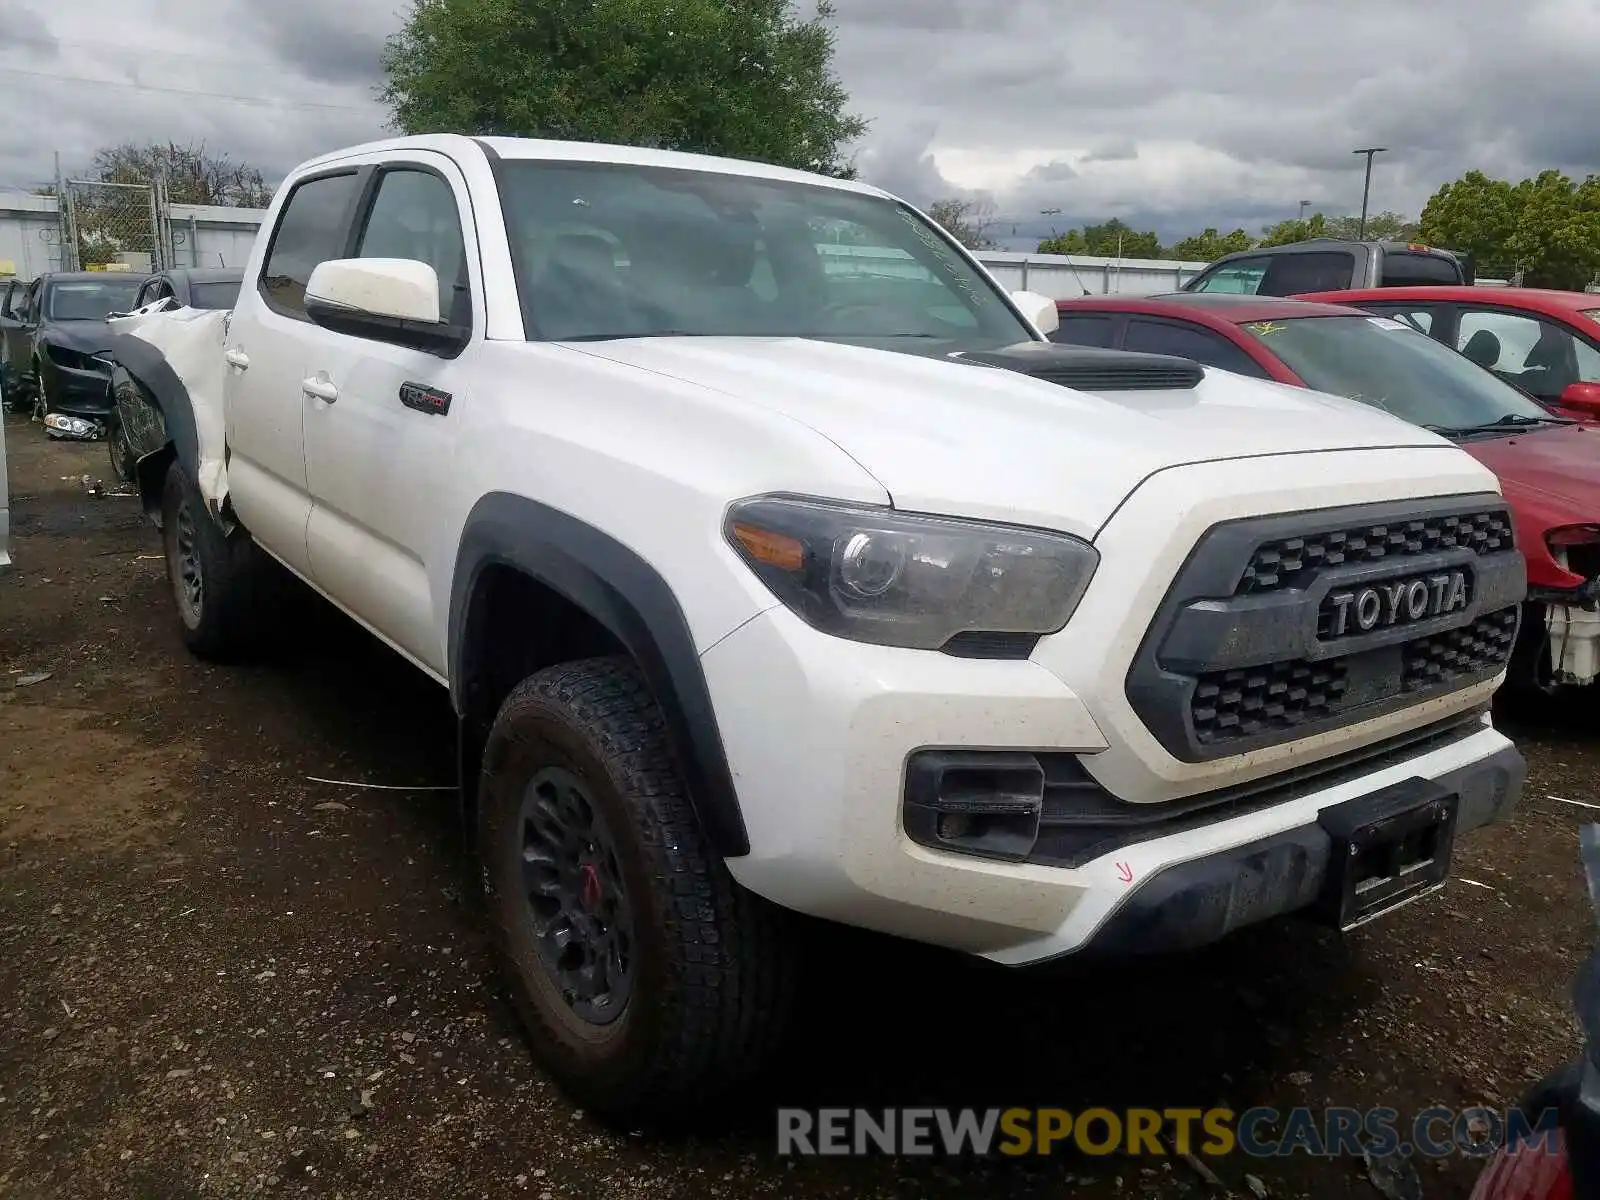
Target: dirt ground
{"type": "Point", "coordinates": [219, 978]}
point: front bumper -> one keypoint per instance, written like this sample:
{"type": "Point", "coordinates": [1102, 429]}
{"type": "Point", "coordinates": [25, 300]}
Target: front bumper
{"type": "Point", "coordinates": [1197, 902]}
{"type": "Point", "coordinates": [819, 732]}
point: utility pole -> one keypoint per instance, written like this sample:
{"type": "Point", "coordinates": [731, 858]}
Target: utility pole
{"type": "Point", "coordinates": [1301, 215]}
{"type": "Point", "coordinates": [1366, 189]}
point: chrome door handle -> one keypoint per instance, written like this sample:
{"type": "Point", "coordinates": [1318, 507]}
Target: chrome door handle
{"type": "Point", "coordinates": [321, 388]}
{"type": "Point", "coordinates": [237, 358]}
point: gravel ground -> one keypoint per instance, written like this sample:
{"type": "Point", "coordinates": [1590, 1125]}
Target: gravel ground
{"type": "Point", "coordinates": [219, 978]}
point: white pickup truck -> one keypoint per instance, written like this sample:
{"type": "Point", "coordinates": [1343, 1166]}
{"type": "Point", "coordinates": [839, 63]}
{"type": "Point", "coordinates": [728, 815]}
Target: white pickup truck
{"type": "Point", "coordinates": [772, 578]}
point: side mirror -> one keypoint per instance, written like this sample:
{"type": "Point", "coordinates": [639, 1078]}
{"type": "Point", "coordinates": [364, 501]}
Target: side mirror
{"type": "Point", "coordinates": [385, 299]}
{"type": "Point", "coordinates": [1041, 310]}
{"type": "Point", "coordinates": [1582, 398]}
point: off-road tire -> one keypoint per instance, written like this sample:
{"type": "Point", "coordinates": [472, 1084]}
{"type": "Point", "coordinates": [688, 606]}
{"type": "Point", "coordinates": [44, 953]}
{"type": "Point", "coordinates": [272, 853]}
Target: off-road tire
{"type": "Point", "coordinates": [714, 964]}
{"type": "Point", "coordinates": [235, 577]}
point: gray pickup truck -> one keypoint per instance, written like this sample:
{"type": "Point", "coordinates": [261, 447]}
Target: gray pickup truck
{"type": "Point", "coordinates": [1329, 264]}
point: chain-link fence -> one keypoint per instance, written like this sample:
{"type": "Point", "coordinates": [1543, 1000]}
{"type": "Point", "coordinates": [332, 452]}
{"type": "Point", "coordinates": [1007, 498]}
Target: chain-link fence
{"type": "Point", "coordinates": [106, 224]}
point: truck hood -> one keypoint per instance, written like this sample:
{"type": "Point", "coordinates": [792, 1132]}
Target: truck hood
{"type": "Point", "coordinates": [950, 437]}
{"type": "Point", "coordinates": [1557, 466]}
{"type": "Point", "coordinates": [91, 337]}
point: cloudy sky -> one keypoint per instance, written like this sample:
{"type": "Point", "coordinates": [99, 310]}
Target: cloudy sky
{"type": "Point", "coordinates": [1171, 114]}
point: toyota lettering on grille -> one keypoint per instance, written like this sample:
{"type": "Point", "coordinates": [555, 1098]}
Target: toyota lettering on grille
{"type": "Point", "coordinates": [1397, 602]}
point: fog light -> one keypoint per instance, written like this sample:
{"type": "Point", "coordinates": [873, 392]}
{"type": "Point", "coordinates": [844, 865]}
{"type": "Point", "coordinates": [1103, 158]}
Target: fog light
{"type": "Point", "coordinates": [76, 427]}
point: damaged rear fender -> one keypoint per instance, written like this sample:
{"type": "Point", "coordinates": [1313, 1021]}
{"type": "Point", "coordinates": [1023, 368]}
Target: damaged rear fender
{"type": "Point", "coordinates": [168, 384]}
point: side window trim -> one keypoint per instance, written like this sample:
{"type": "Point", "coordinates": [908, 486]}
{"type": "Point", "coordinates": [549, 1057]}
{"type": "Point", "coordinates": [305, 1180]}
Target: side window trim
{"type": "Point", "coordinates": [347, 220]}
{"type": "Point", "coordinates": [367, 197]}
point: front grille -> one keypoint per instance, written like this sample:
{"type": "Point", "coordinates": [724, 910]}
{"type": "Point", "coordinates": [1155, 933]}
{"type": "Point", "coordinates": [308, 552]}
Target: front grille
{"type": "Point", "coordinates": [1293, 562]}
{"type": "Point", "coordinates": [1280, 695]}
{"type": "Point", "coordinates": [1458, 653]}
{"type": "Point", "coordinates": [1280, 628]}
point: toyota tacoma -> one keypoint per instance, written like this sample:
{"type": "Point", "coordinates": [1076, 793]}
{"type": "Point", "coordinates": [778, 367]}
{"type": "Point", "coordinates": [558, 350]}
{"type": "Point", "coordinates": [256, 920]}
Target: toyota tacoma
{"type": "Point", "coordinates": [778, 567]}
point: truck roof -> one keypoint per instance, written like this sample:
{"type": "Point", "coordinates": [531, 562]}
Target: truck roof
{"type": "Point", "coordinates": [554, 150]}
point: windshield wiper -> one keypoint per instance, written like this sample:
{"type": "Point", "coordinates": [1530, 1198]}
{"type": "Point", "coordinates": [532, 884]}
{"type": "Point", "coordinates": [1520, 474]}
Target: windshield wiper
{"type": "Point", "coordinates": [1509, 421]}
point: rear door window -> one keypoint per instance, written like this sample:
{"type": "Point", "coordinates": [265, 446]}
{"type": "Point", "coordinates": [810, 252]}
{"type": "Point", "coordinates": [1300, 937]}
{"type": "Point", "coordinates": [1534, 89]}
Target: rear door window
{"type": "Point", "coordinates": [1312, 271]}
{"type": "Point", "coordinates": [1406, 268]}
{"type": "Point", "coordinates": [1242, 277]}
{"type": "Point", "coordinates": [1188, 341]}
{"type": "Point", "coordinates": [1083, 331]}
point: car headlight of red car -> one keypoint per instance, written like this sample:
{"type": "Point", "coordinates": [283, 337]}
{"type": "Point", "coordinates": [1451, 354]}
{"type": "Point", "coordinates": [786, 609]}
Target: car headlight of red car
{"type": "Point", "coordinates": [1576, 549]}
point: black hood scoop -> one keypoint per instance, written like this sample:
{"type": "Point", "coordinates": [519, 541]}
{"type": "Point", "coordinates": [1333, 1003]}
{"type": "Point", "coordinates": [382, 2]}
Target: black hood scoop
{"type": "Point", "coordinates": [1088, 369]}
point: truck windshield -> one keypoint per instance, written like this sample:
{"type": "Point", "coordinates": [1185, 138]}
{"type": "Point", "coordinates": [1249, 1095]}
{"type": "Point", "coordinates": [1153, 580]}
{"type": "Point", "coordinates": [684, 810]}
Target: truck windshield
{"type": "Point", "coordinates": [1391, 366]}
{"type": "Point", "coordinates": [88, 299]}
{"type": "Point", "coordinates": [614, 251]}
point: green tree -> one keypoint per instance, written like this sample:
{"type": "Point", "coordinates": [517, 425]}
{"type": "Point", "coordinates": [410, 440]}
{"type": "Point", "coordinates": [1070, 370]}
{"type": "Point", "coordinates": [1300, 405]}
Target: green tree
{"type": "Point", "coordinates": [1210, 246]}
{"type": "Point", "coordinates": [1285, 232]}
{"type": "Point", "coordinates": [1109, 240]}
{"type": "Point", "coordinates": [1545, 229]}
{"type": "Point", "coordinates": [750, 80]}
{"type": "Point", "coordinates": [1476, 215]}
{"type": "Point", "coordinates": [1557, 239]}
{"type": "Point", "coordinates": [1381, 227]}
{"type": "Point", "coordinates": [968, 221]}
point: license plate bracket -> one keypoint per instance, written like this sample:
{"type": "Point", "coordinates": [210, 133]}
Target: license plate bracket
{"type": "Point", "coordinates": [1387, 849]}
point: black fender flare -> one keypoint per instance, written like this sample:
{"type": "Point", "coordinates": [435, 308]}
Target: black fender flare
{"type": "Point", "coordinates": [630, 599]}
{"type": "Point", "coordinates": [143, 362]}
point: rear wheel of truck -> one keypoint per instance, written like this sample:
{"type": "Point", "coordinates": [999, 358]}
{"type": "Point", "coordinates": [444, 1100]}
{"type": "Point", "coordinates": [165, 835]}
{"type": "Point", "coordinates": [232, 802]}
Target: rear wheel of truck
{"type": "Point", "coordinates": [651, 984]}
{"type": "Point", "coordinates": [219, 580]}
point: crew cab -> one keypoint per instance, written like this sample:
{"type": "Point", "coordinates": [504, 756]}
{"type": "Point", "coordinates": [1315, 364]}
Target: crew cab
{"type": "Point", "coordinates": [763, 586]}
{"type": "Point", "coordinates": [1322, 264]}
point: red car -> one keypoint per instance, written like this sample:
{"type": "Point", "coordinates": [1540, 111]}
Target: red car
{"type": "Point", "coordinates": [1542, 341]}
{"type": "Point", "coordinates": [1548, 463]}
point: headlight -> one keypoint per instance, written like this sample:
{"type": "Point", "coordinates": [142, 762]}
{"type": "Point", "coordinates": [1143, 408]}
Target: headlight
{"type": "Point", "coordinates": [71, 426]}
{"type": "Point", "coordinates": [875, 575]}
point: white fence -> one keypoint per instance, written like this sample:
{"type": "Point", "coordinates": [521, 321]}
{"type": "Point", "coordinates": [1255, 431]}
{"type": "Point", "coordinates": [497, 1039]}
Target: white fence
{"type": "Point", "coordinates": [202, 235]}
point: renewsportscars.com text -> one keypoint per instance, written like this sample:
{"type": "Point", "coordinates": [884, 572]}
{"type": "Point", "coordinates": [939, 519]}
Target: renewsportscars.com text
{"type": "Point", "coordinates": [1256, 1132]}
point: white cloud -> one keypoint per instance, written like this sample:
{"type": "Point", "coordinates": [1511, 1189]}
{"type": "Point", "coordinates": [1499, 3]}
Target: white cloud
{"type": "Point", "coordinates": [1165, 113]}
